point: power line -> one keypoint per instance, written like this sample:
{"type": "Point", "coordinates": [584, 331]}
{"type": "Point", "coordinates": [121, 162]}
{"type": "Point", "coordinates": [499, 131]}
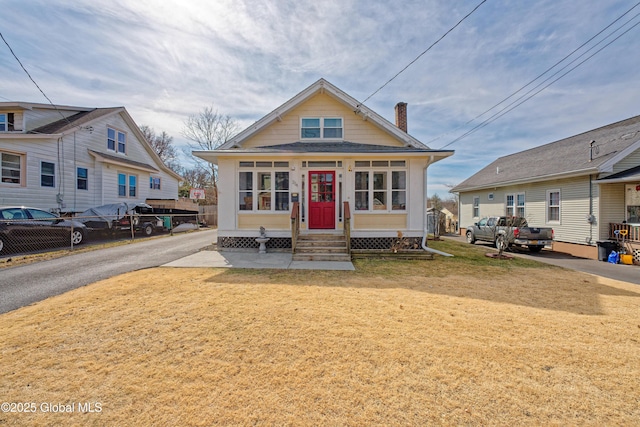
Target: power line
{"type": "Point", "coordinates": [507, 110]}
{"type": "Point", "coordinates": [31, 78]}
{"type": "Point", "coordinates": [546, 71]}
{"type": "Point", "coordinates": [427, 50]}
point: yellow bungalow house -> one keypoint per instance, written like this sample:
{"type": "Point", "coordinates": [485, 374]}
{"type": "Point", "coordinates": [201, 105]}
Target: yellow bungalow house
{"type": "Point", "coordinates": [322, 164]}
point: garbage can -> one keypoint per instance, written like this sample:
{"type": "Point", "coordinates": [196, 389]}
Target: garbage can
{"type": "Point", "coordinates": [605, 248]}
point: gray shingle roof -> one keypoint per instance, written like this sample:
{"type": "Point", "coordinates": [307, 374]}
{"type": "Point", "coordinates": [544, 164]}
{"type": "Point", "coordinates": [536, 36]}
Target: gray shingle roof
{"type": "Point", "coordinates": [70, 122]}
{"type": "Point", "coordinates": [566, 156]}
{"type": "Point", "coordinates": [122, 160]}
{"type": "Point", "coordinates": [329, 147]}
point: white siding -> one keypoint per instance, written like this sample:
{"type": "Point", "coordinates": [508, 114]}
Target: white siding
{"type": "Point", "coordinates": [71, 152]}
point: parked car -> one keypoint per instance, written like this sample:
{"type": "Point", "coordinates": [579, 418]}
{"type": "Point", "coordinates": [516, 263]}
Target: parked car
{"type": "Point", "coordinates": [23, 227]}
{"type": "Point", "coordinates": [115, 217]}
{"type": "Point", "coordinates": [507, 231]}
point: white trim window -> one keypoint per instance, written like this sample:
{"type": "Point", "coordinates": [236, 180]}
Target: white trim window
{"type": "Point", "coordinates": [553, 206]}
{"type": "Point", "coordinates": [379, 189]}
{"type": "Point", "coordinates": [116, 140]}
{"type": "Point", "coordinates": [321, 128]}
{"type": "Point", "coordinates": [127, 185]}
{"type": "Point", "coordinates": [4, 125]}
{"type": "Point", "coordinates": [515, 205]}
{"type": "Point", "coordinates": [476, 207]}
{"type": "Point", "coordinates": [11, 165]}
{"type": "Point", "coordinates": [47, 174]}
{"type": "Point", "coordinates": [264, 188]}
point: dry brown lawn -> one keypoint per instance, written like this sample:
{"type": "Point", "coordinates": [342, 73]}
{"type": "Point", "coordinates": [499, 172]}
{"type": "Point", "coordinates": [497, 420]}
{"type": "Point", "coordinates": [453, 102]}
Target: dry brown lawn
{"type": "Point", "coordinates": [394, 343]}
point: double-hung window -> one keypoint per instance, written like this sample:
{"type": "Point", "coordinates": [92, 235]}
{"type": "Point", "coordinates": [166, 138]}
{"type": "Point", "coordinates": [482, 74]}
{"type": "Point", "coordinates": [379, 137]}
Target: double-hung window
{"type": "Point", "coordinates": [264, 189]}
{"type": "Point", "coordinates": [116, 140]}
{"type": "Point", "coordinates": [553, 206]}
{"type": "Point", "coordinates": [11, 168]}
{"type": "Point", "coordinates": [476, 207]}
{"type": "Point", "coordinates": [380, 189]}
{"type": "Point", "coordinates": [321, 128]}
{"type": "Point", "coordinates": [127, 185]}
{"type": "Point", "coordinates": [4, 126]}
{"type": "Point", "coordinates": [47, 174]}
{"type": "Point", "coordinates": [515, 204]}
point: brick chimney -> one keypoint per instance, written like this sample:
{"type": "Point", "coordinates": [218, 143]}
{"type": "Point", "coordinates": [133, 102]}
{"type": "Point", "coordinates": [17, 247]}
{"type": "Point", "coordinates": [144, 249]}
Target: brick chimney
{"type": "Point", "coordinates": [401, 115]}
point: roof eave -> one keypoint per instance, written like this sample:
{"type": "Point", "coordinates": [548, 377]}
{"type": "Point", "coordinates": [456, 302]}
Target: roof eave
{"type": "Point", "coordinates": [550, 177]}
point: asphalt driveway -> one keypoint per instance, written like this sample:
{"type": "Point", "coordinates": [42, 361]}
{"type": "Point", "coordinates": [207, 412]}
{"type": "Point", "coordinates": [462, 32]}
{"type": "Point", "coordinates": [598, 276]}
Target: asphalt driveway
{"type": "Point", "coordinates": [26, 284]}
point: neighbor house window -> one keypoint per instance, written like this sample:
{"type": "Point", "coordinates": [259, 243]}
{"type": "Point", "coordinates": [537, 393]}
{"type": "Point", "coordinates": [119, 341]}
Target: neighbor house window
{"type": "Point", "coordinates": [321, 127]}
{"type": "Point", "coordinates": [82, 179]}
{"type": "Point", "coordinates": [11, 168]}
{"type": "Point", "coordinates": [520, 205]}
{"type": "Point", "coordinates": [127, 185]}
{"type": "Point", "coordinates": [3, 123]}
{"type": "Point", "coordinates": [553, 206]}
{"type": "Point", "coordinates": [116, 140]}
{"type": "Point", "coordinates": [154, 183]}
{"type": "Point", "coordinates": [515, 205]}
{"type": "Point", "coordinates": [380, 190]}
{"type": "Point", "coordinates": [264, 190]}
{"type": "Point", "coordinates": [47, 174]}
{"type": "Point", "coordinates": [476, 207]}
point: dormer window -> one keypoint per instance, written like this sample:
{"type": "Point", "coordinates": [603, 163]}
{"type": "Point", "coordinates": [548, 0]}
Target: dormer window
{"type": "Point", "coordinates": [116, 141]}
{"type": "Point", "coordinates": [321, 128]}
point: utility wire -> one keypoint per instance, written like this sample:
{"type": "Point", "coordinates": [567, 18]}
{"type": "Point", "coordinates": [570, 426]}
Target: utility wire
{"type": "Point", "coordinates": [546, 71]}
{"type": "Point", "coordinates": [427, 50]}
{"type": "Point", "coordinates": [31, 78]}
{"type": "Point", "coordinates": [506, 110]}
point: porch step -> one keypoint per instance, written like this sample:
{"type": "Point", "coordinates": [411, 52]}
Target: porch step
{"type": "Point", "coordinates": [321, 247]}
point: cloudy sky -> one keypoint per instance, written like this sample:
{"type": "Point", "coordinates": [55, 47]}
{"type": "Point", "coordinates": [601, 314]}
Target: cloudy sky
{"type": "Point", "coordinates": [166, 60]}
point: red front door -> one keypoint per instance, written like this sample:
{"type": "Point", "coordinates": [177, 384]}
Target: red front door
{"type": "Point", "coordinates": [322, 195]}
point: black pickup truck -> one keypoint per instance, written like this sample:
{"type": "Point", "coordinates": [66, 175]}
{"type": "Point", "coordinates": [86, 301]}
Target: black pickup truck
{"type": "Point", "coordinates": [505, 232]}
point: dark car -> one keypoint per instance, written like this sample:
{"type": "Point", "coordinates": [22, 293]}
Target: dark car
{"type": "Point", "coordinates": [28, 228]}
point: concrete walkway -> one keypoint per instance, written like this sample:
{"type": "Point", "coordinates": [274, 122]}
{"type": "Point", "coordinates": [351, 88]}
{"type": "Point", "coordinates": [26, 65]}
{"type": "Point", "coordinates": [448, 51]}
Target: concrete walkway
{"type": "Point", "coordinates": [277, 260]}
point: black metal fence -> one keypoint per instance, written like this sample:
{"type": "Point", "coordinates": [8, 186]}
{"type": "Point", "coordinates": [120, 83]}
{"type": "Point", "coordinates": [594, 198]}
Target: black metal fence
{"type": "Point", "coordinates": [27, 235]}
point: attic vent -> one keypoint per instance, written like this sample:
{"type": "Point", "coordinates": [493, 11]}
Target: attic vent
{"type": "Point", "coordinates": [497, 170]}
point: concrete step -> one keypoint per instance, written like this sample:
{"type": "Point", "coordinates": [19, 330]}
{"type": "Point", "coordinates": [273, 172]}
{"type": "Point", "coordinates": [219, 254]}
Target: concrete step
{"type": "Point", "coordinates": [321, 257]}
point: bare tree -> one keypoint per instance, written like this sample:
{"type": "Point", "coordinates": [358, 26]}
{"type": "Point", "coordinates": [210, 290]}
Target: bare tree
{"type": "Point", "coordinates": [207, 130]}
{"type": "Point", "coordinates": [163, 146]}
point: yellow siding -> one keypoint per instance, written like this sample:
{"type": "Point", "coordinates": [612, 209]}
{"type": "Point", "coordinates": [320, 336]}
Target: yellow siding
{"type": "Point", "coordinates": [380, 222]}
{"type": "Point", "coordinates": [270, 222]}
{"type": "Point", "coordinates": [321, 105]}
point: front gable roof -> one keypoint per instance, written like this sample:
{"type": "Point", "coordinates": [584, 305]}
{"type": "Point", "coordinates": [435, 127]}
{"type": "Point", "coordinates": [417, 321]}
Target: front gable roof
{"type": "Point", "coordinates": [323, 86]}
{"type": "Point", "coordinates": [573, 156]}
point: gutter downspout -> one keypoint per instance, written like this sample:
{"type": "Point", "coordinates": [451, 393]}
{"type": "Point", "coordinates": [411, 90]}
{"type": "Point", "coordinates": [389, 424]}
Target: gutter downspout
{"type": "Point", "coordinates": [424, 215]}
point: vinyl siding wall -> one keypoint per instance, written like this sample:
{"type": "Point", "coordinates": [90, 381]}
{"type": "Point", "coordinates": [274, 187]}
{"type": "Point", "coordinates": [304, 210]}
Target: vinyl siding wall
{"type": "Point", "coordinates": [355, 129]}
{"type": "Point", "coordinates": [573, 226]}
{"type": "Point", "coordinates": [69, 154]}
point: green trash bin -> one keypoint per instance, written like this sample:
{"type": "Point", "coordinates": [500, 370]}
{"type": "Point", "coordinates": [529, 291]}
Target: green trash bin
{"type": "Point", "coordinates": [166, 222]}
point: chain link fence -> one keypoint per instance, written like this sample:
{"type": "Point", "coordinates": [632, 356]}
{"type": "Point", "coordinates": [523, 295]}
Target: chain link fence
{"type": "Point", "coordinates": [22, 231]}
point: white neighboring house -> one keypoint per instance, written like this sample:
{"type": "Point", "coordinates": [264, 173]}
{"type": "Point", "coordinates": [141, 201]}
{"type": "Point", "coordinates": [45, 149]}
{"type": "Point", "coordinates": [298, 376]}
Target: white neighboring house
{"type": "Point", "coordinates": [68, 159]}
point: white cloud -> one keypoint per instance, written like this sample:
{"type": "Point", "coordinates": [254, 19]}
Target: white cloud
{"type": "Point", "coordinates": [166, 60]}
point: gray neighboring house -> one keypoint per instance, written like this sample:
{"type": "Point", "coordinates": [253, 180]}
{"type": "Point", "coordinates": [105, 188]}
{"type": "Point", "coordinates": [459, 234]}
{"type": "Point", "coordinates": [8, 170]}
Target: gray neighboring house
{"type": "Point", "coordinates": [585, 187]}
